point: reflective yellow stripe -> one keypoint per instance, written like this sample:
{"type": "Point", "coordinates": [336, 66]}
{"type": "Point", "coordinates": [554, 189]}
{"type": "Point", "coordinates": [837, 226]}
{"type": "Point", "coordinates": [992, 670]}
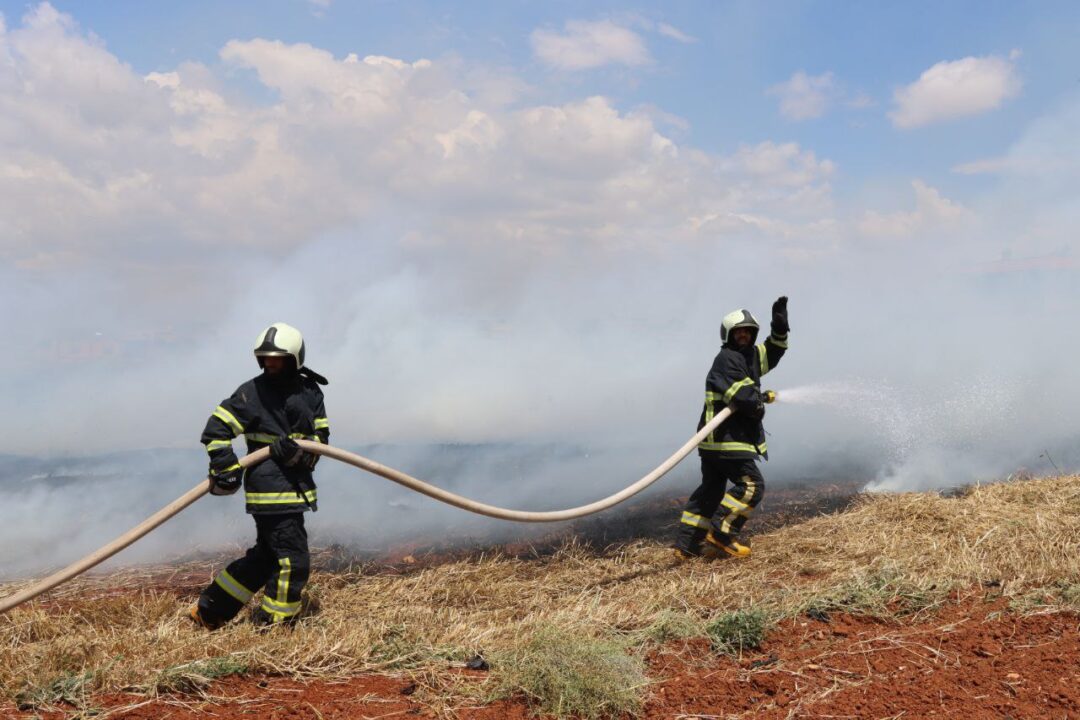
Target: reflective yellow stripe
{"type": "Point", "coordinates": [736, 388]}
{"type": "Point", "coordinates": [229, 419]}
{"type": "Point", "coordinates": [321, 423]}
{"type": "Point", "coordinates": [732, 504]}
{"type": "Point", "coordinates": [230, 585]}
{"type": "Point", "coordinates": [218, 444]}
{"type": "Point", "coordinates": [278, 498]}
{"type": "Point", "coordinates": [731, 446]}
{"type": "Point", "coordinates": [280, 610]}
{"type": "Point", "coordinates": [751, 487]}
{"type": "Point", "coordinates": [689, 518]}
{"type": "Point", "coordinates": [739, 508]}
{"type": "Point", "coordinates": [283, 580]}
{"type": "Point", "coordinates": [710, 398]}
{"type": "Point", "coordinates": [763, 358]}
{"type": "Point", "coordinates": [780, 342]}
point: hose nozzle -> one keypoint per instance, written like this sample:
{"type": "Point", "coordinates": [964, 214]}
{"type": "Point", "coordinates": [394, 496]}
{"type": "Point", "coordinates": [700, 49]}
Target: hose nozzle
{"type": "Point", "coordinates": [769, 396]}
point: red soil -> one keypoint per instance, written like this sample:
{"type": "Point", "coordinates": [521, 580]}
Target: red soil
{"type": "Point", "coordinates": [969, 660]}
{"type": "Point", "coordinates": [972, 659]}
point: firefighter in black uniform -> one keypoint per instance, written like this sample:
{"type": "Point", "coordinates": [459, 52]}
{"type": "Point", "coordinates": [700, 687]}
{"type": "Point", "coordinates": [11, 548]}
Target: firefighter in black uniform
{"type": "Point", "coordinates": [728, 454]}
{"type": "Point", "coordinates": [274, 409]}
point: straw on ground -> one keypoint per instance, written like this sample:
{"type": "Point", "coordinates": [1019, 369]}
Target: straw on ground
{"type": "Point", "coordinates": [888, 554]}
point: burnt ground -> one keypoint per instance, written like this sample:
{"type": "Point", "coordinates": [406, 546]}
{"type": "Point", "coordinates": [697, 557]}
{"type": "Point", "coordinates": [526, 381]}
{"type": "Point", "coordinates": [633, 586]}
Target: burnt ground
{"type": "Point", "coordinates": [651, 519]}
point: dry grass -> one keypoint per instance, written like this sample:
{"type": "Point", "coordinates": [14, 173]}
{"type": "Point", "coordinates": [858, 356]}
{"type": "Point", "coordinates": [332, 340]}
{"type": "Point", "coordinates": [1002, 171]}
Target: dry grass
{"type": "Point", "coordinates": [897, 553]}
{"type": "Point", "coordinates": [565, 674]}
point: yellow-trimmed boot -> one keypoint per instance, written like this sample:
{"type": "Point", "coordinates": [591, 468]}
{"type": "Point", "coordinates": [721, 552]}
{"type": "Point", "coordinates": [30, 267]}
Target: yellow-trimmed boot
{"type": "Point", "coordinates": [729, 547]}
{"type": "Point", "coordinates": [681, 555]}
{"type": "Point", "coordinates": [196, 617]}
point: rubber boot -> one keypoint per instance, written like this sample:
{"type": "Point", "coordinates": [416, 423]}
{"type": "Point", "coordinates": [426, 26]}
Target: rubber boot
{"type": "Point", "coordinates": [727, 545]}
{"type": "Point", "coordinates": [688, 543]}
{"type": "Point", "coordinates": [196, 617]}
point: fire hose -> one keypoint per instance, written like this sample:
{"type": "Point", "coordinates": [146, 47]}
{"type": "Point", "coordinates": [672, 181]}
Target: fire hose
{"type": "Point", "coordinates": [106, 551]}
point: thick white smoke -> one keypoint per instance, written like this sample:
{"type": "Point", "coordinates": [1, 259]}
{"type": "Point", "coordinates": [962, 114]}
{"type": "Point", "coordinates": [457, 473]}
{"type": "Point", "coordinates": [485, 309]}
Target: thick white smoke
{"type": "Point", "coordinates": [473, 264]}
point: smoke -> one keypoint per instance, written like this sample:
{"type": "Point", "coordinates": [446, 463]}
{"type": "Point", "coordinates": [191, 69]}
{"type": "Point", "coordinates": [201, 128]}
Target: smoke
{"type": "Point", "coordinates": [94, 500]}
{"type": "Point", "coordinates": [537, 278]}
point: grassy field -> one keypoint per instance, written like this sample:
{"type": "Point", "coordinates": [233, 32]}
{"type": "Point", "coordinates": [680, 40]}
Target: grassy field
{"type": "Point", "coordinates": [540, 622]}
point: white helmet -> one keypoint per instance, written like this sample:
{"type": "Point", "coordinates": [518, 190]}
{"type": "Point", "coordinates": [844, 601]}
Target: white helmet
{"type": "Point", "coordinates": [738, 319]}
{"type": "Point", "coordinates": [280, 340]}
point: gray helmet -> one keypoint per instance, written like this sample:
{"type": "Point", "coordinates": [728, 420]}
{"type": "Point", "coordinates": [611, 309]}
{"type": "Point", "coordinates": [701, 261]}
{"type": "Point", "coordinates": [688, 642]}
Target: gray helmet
{"type": "Point", "coordinates": [280, 340]}
{"type": "Point", "coordinates": [738, 319]}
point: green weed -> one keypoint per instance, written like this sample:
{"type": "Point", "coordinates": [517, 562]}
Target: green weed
{"type": "Point", "coordinates": [565, 674]}
{"type": "Point", "coordinates": [733, 632]}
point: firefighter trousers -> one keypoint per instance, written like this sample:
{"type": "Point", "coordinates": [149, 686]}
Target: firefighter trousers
{"type": "Point", "coordinates": [278, 563]}
{"type": "Point", "coordinates": [709, 507]}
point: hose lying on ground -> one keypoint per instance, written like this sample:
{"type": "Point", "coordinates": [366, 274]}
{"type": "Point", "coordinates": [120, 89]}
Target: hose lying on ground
{"type": "Point", "coordinates": [107, 551]}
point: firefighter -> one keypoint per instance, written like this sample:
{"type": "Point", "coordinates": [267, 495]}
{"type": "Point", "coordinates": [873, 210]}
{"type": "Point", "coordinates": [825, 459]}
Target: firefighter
{"type": "Point", "coordinates": [282, 404]}
{"type": "Point", "coordinates": [729, 453]}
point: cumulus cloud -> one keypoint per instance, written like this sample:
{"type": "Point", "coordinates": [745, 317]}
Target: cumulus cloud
{"type": "Point", "coordinates": [932, 212]}
{"type": "Point", "coordinates": [954, 89]}
{"type": "Point", "coordinates": [176, 161]}
{"type": "Point", "coordinates": [804, 97]}
{"type": "Point", "coordinates": [589, 44]}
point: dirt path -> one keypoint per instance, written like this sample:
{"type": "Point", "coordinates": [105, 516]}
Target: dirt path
{"type": "Point", "coordinates": [972, 659]}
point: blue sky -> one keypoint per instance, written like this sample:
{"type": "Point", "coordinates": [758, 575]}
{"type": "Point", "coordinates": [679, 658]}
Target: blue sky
{"type": "Point", "coordinates": [476, 208]}
{"type": "Point", "coordinates": [716, 83]}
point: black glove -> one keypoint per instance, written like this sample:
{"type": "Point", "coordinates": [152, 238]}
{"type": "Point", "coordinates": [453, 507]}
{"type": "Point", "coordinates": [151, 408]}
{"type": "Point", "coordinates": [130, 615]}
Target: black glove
{"type": "Point", "coordinates": [750, 408]}
{"type": "Point", "coordinates": [225, 481]}
{"type": "Point", "coordinates": [288, 453]}
{"type": "Point", "coordinates": [779, 316]}
{"type": "Point", "coordinates": [309, 461]}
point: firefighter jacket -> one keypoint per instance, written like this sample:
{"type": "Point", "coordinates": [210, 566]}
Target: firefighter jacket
{"type": "Point", "coordinates": [263, 409]}
{"type": "Point", "coordinates": [735, 380]}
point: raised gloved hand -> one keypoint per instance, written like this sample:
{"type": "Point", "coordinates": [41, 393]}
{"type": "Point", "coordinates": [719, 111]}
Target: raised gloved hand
{"type": "Point", "coordinates": [225, 480]}
{"type": "Point", "coordinates": [779, 316]}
